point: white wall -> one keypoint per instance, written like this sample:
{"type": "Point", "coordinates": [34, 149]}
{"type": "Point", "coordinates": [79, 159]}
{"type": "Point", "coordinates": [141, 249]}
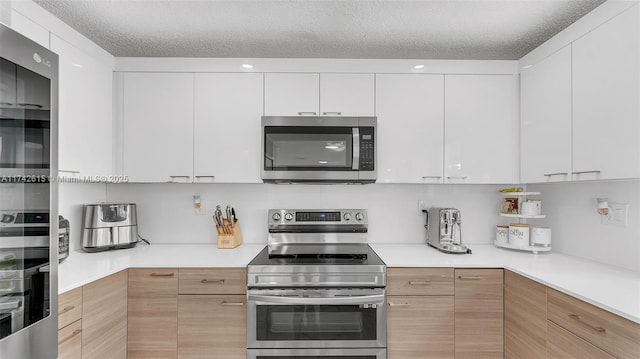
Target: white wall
{"type": "Point", "coordinates": [71, 198]}
{"type": "Point", "coordinates": [166, 214]}
{"type": "Point", "coordinates": [576, 228]}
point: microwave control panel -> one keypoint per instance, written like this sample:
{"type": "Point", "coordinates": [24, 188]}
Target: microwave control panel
{"type": "Point", "coordinates": [367, 149]}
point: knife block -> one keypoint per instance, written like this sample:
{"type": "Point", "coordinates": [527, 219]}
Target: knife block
{"type": "Point", "coordinates": [229, 235]}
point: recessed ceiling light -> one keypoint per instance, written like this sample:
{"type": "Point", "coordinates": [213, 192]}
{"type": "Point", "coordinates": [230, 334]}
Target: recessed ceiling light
{"type": "Point", "coordinates": [526, 67]}
{"type": "Point", "coordinates": [247, 66]}
{"type": "Point", "coordinates": [76, 65]}
{"type": "Point", "coordinates": [418, 67]}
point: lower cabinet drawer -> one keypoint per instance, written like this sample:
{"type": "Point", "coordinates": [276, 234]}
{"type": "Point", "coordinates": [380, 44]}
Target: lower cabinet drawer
{"type": "Point", "coordinates": [212, 281]}
{"type": "Point", "coordinates": [613, 334]}
{"type": "Point", "coordinates": [70, 341]}
{"type": "Point", "coordinates": [562, 344]}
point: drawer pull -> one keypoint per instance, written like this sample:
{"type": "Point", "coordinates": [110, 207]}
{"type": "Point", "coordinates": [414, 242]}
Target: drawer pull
{"type": "Point", "coordinates": [392, 304]}
{"type": "Point", "coordinates": [75, 332]}
{"type": "Point", "coordinates": [426, 282]}
{"type": "Point", "coordinates": [468, 277]}
{"type": "Point", "coordinates": [66, 309]}
{"type": "Point", "coordinates": [232, 304]}
{"type": "Point", "coordinates": [578, 319]}
{"type": "Point", "coordinates": [161, 274]}
{"type": "Point", "coordinates": [205, 281]}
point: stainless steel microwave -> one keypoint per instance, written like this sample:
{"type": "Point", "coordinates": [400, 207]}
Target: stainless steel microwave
{"type": "Point", "coordinates": [319, 149]}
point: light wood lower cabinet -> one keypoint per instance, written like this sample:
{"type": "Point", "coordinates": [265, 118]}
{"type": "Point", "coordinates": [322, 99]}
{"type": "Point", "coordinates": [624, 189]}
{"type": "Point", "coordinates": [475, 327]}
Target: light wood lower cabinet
{"type": "Point", "coordinates": [152, 313]}
{"type": "Point", "coordinates": [420, 327]}
{"type": "Point", "coordinates": [479, 313]}
{"type": "Point", "coordinates": [420, 313]}
{"type": "Point", "coordinates": [70, 341]}
{"type": "Point", "coordinates": [212, 326]}
{"type": "Point", "coordinates": [104, 318]}
{"type": "Point", "coordinates": [525, 316]}
{"type": "Point", "coordinates": [563, 344]}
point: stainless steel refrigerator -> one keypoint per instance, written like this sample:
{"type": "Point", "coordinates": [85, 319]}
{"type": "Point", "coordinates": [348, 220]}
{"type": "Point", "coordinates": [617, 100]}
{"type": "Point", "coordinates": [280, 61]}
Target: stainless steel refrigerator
{"type": "Point", "coordinates": [28, 198]}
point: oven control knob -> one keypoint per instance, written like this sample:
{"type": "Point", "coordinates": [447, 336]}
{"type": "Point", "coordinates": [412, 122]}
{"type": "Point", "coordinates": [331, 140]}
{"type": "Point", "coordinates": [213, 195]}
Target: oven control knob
{"type": "Point", "coordinates": [359, 216]}
{"type": "Point", "coordinates": [276, 216]}
{"type": "Point", "coordinates": [347, 216]}
{"type": "Point", "coordinates": [288, 216]}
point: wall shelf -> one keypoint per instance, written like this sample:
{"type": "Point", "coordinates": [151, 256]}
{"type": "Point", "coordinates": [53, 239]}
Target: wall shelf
{"type": "Point", "coordinates": [534, 249]}
{"type": "Point", "coordinates": [524, 216]}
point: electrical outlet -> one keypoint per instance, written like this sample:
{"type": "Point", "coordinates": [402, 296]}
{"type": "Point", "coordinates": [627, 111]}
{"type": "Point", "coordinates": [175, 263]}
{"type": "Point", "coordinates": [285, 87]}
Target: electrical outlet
{"type": "Point", "coordinates": [422, 205]}
{"type": "Point", "coordinates": [617, 216]}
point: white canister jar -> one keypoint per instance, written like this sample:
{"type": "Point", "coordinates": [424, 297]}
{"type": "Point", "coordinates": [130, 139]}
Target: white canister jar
{"type": "Point", "coordinates": [502, 234]}
{"type": "Point", "coordinates": [529, 209]}
{"type": "Point", "coordinates": [541, 236]}
{"type": "Point", "coordinates": [537, 203]}
{"type": "Point", "coordinates": [519, 234]}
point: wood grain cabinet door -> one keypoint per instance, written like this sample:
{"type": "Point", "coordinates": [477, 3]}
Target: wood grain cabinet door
{"type": "Point", "coordinates": [525, 315]}
{"type": "Point", "coordinates": [153, 313]}
{"type": "Point", "coordinates": [479, 313]}
{"type": "Point", "coordinates": [420, 327]}
{"type": "Point", "coordinates": [212, 326]}
{"type": "Point", "coordinates": [104, 318]}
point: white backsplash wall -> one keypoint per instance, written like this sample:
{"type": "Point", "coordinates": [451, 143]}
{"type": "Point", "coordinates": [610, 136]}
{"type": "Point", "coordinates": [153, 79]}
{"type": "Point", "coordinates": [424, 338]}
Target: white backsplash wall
{"type": "Point", "coordinates": [166, 213]}
{"type": "Point", "coordinates": [576, 227]}
{"type": "Point", "coordinates": [72, 196]}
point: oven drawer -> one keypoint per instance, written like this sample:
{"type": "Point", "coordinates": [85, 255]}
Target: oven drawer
{"type": "Point", "coordinates": [358, 353]}
{"type": "Point", "coordinates": [212, 281]}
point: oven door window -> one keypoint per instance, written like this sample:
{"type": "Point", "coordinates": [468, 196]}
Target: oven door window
{"type": "Point", "coordinates": [308, 148]}
{"type": "Point", "coordinates": [315, 322]}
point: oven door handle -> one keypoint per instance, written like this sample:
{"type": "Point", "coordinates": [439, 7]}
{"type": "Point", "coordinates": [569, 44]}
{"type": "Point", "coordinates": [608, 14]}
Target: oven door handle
{"type": "Point", "coordinates": [363, 299]}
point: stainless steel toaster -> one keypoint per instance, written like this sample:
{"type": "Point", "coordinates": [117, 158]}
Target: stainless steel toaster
{"type": "Point", "coordinates": [109, 226]}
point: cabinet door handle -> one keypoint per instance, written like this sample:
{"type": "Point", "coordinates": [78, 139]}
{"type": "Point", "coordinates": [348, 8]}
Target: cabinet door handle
{"type": "Point", "coordinates": [75, 332]}
{"type": "Point", "coordinates": [427, 177]}
{"type": "Point", "coordinates": [66, 309]}
{"type": "Point", "coordinates": [426, 282]}
{"type": "Point", "coordinates": [332, 113]}
{"type": "Point", "coordinates": [30, 105]}
{"type": "Point", "coordinates": [578, 319]}
{"type": "Point", "coordinates": [469, 277]}
{"type": "Point", "coordinates": [173, 178]}
{"type": "Point", "coordinates": [307, 113]}
{"type": "Point", "coordinates": [204, 176]}
{"type": "Point", "coordinates": [556, 174]}
{"type": "Point", "coordinates": [6, 104]}
{"type": "Point", "coordinates": [68, 171]}
{"type": "Point", "coordinates": [583, 172]}
{"type": "Point", "coordinates": [392, 304]}
{"type": "Point", "coordinates": [217, 281]}
{"type": "Point", "coordinates": [453, 177]}
{"type": "Point", "coordinates": [232, 304]}
{"type": "Point", "coordinates": [161, 274]}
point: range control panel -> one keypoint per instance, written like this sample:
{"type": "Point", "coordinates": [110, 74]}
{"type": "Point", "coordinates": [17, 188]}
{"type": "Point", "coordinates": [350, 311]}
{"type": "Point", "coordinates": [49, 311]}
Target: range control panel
{"type": "Point", "coordinates": [317, 217]}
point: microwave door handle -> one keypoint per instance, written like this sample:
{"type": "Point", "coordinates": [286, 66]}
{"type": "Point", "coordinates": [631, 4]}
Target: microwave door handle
{"type": "Point", "coordinates": [356, 149]}
{"type": "Point", "coordinates": [364, 299]}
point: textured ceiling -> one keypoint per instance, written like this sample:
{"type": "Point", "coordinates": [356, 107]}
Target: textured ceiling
{"type": "Point", "coordinates": [384, 29]}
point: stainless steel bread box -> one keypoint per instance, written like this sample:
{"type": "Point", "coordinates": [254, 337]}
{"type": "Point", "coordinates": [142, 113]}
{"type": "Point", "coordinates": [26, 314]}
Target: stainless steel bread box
{"type": "Point", "coordinates": [109, 226]}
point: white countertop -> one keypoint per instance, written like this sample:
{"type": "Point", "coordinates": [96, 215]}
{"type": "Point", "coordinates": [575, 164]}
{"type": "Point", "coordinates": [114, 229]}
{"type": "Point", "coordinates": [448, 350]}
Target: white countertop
{"type": "Point", "coordinates": [607, 287]}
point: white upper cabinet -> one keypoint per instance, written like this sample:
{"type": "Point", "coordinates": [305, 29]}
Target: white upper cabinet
{"type": "Point", "coordinates": [410, 127]}
{"type": "Point", "coordinates": [227, 133]}
{"type": "Point", "coordinates": [606, 105]}
{"type": "Point", "coordinates": [545, 115]}
{"type": "Point", "coordinates": [85, 112]}
{"type": "Point", "coordinates": [291, 94]}
{"type": "Point", "coordinates": [158, 127]}
{"type": "Point", "coordinates": [480, 129]}
{"type": "Point", "coordinates": [347, 94]}
{"type": "Point", "coordinates": [295, 94]}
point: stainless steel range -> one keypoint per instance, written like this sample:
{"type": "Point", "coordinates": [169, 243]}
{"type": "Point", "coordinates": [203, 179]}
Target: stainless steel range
{"type": "Point", "coordinates": [317, 290]}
